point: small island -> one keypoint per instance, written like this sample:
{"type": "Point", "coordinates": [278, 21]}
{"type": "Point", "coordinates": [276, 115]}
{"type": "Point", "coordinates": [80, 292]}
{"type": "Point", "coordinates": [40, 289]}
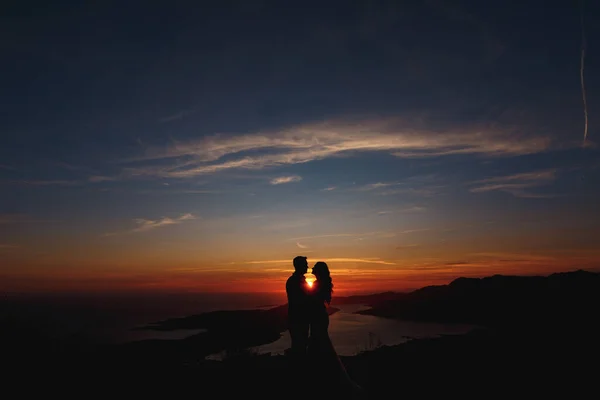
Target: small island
{"type": "Point", "coordinates": [221, 330]}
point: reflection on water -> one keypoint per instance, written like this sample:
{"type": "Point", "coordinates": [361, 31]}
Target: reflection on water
{"type": "Point", "coordinates": [353, 333]}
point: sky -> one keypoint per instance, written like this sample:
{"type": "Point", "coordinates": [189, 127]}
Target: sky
{"type": "Point", "coordinates": [201, 146]}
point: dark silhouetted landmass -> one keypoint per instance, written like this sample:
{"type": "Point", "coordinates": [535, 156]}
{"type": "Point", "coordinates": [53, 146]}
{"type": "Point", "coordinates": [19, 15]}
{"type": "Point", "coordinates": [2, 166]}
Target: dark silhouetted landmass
{"type": "Point", "coordinates": [231, 330]}
{"type": "Point", "coordinates": [540, 339]}
{"type": "Point", "coordinates": [501, 301]}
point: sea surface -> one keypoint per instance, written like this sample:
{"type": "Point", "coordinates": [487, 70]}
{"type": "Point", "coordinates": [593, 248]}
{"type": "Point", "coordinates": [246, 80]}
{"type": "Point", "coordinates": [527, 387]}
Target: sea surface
{"type": "Point", "coordinates": [353, 333]}
{"type": "Point", "coordinates": [111, 319]}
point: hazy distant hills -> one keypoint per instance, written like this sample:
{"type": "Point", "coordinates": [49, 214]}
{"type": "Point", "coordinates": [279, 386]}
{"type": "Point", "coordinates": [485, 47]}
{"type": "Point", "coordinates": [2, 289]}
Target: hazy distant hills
{"type": "Point", "coordinates": [563, 298]}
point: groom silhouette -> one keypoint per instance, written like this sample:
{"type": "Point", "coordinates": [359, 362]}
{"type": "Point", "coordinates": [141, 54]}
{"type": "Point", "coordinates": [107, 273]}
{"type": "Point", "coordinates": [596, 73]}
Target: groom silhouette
{"type": "Point", "coordinates": [298, 318]}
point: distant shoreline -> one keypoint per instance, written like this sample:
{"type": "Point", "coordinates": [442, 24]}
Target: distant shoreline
{"type": "Point", "coordinates": [493, 301]}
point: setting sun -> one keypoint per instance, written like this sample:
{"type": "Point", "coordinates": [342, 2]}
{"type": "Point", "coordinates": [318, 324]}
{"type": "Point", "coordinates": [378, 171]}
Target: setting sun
{"type": "Point", "coordinates": [309, 283]}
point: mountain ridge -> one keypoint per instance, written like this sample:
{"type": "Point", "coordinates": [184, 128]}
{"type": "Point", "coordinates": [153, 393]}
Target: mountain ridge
{"type": "Point", "coordinates": [498, 300]}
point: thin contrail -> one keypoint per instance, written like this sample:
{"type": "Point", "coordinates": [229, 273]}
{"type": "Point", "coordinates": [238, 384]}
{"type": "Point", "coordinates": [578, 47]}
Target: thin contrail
{"type": "Point", "coordinates": [581, 70]}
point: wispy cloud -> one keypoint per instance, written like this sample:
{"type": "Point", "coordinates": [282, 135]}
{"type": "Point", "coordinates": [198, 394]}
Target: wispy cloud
{"type": "Point", "coordinates": [413, 209]}
{"type": "Point", "coordinates": [459, 263]}
{"type": "Point", "coordinates": [301, 246]}
{"type": "Point", "coordinates": [326, 236]}
{"type": "Point", "coordinates": [338, 235]}
{"type": "Point", "coordinates": [178, 115]}
{"type": "Point", "coordinates": [421, 185]}
{"type": "Point", "coordinates": [144, 225]}
{"type": "Point", "coordinates": [7, 246]}
{"type": "Point", "coordinates": [306, 143]}
{"type": "Point", "coordinates": [415, 230]}
{"type": "Point", "coordinates": [285, 179]}
{"type": "Point", "coordinates": [377, 185]}
{"type": "Point", "coordinates": [406, 246]}
{"type": "Point", "coordinates": [542, 175]}
{"type": "Point", "coordinates": [517, 184]}
{"type": "Point", "coordinates": [403, 210]}
{"type": "Point", "coordinates": [333, 260]}
{"type": "Point", "coordinates": [329, 189]}
{"type": "Point", "coordinates": [424, 191]}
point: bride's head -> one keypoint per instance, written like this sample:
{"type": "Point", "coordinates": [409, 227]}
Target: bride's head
{"type": "Point", "coordinates": [324, 283]}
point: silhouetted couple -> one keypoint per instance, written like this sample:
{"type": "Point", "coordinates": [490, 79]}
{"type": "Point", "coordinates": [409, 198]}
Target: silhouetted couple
{"type": "Point", "coordinates": [308, 323]}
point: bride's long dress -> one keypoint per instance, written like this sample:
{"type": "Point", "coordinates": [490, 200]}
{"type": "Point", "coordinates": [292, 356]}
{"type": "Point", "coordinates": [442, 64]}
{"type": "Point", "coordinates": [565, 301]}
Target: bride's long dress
{"type": "Point", "coordinates": [327, 368]}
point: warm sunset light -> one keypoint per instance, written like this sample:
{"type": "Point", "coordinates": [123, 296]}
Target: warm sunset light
{"type": "Point", "coordinates": [174, 175]}
{"type": "Point", "coordinates": [408, 165]}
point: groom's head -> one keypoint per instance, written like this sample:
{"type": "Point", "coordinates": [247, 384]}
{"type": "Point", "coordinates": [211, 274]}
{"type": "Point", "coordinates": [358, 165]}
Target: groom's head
{"type": "Point", "coordinates": [300, 264]}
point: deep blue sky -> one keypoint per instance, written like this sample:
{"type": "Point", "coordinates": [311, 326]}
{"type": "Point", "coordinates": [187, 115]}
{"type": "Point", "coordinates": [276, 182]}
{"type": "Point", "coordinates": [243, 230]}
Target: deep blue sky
{"type": "Point", "coordinates": [441, 137]}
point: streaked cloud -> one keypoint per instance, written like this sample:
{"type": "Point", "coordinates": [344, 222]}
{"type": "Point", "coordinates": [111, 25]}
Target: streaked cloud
{"type": "Point", "coordinates": [406, 246]}
{"type": "Point", "coordinates": [517, 184]}
{"type": "Point", "coordinates": [420, 185]}
{"type": "Point", "coordinates": [301, 246]}
{"type": "Point", "coordinates": [306, 143]}
{"type": "Point", "coordinates": [415, 230]}
{"type": "Point", "coordinates": [328, 260]}
{"type": "Point", "coordinates": [403, 210]}
{"type": "Point", "coordinates": [543, 175]}
{"type": "Point", "coordinates": [329, 189]}
{"type": "Point", "coordinates": [377, 185]}
{"type": "Point", "coordinates": [349, 235]}
{"type": "Point", "coordinates": [424, 191]}
{"type": "Point", "coordinates": [144, 225]}
{"type": "Point", "coordinates": [177, 115]}
{"type": "Point", "coordinates": [326, 236]}
{"type": "Point", "coordinates": [285, 179]}
{"type": "Point", "coordinates": [508, 257]}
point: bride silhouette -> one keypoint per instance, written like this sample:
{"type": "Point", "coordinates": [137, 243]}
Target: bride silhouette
{"type": "Point", "coordinates": [327, 366]}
